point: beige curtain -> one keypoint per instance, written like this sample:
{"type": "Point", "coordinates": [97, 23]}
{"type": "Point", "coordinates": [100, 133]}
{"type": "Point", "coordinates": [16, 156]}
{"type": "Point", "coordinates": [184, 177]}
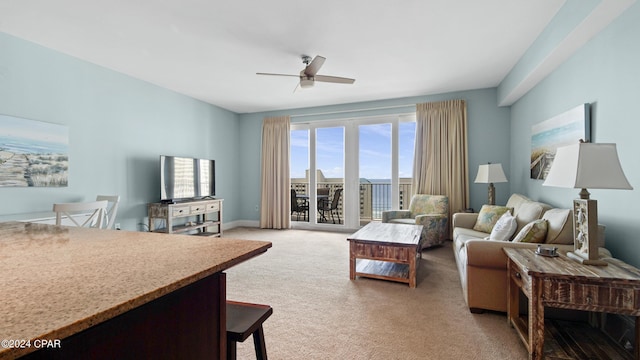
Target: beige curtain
{"type": "Point", "coordinates": [441, 162]}
{"type": "Point", "coordinates": [275, 198]}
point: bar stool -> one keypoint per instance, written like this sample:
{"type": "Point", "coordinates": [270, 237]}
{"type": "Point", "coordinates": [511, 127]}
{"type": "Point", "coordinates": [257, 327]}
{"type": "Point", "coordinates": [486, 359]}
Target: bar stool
{"type": "Point", "coordinates": [244, 319]}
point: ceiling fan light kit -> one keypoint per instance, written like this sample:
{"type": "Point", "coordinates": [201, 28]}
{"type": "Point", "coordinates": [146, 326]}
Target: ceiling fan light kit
{"type": "Point", "coordinates": [308, 74]}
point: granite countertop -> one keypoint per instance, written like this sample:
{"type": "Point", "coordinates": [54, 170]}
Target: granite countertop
{"type": "Point", "coordinates": [56, 281]}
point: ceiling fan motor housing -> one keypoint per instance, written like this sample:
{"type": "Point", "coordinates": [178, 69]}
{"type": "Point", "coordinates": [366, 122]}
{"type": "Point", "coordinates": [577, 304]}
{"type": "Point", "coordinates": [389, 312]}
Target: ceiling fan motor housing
{"type": "Point", "coordinates": [306, 82]}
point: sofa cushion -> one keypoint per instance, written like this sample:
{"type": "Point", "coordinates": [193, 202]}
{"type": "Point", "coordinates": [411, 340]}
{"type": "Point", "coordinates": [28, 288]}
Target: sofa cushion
{"type": "Point", "coordinates": [559, 229]}
{"type": "Point", "coordinates": [516, 200]}
{"type": "Point", "coordinates": [528, 212]}
{"type": "Point", "coordinates": [533, 232]}
{"type": "Point", "coordinates": [488, 216]}
{"type": "Point", "coordinates": [465, 233]}
{"type": "Point", "coordinates": [462, 235]}
{"type": "Point", "coordinates": [504, 228]}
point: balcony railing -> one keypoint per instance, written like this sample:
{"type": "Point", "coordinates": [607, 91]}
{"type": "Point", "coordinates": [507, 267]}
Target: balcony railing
{"type": "Point", "coordinates": [374, 197]}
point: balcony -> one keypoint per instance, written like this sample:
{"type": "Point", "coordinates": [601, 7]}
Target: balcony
{"type": "Point", "coordinates": [375, 197]}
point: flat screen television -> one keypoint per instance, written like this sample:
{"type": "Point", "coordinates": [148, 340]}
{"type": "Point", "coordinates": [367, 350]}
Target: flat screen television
{"type": "Point", "coordinates": [184, 178]}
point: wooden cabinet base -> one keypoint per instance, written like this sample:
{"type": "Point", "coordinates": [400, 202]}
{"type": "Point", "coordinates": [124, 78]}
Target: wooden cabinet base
{"type": "Point", "coordinates": [189, 323]}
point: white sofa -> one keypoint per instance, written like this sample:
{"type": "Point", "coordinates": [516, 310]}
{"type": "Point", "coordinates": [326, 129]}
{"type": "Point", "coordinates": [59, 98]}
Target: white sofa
{"type": "Point", "coordinates": [482, 263]}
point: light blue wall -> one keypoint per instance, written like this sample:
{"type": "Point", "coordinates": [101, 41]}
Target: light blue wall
{"type": "Point", "coordinates": [570, 15]}
{"type": "Point", "coordinates": [118, 127]}
{"type": "Point", "coordinates": [488, 137]}
{"type": "Point", "coordinates": [606, 74]}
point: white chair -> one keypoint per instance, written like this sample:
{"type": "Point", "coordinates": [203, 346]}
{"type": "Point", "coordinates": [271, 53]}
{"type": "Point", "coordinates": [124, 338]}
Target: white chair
{"type": "Point", "coordinates": [84, 214]}
{"type": "Point", "coordinates": [112, 209]}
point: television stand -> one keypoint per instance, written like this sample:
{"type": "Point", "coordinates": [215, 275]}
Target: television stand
{"type": "Point", "coordinates": [196, 217]}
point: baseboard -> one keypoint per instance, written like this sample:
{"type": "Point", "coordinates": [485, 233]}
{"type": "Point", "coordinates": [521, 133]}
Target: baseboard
{"type": "Point", "coordinates": [240, 223]}
{"type": "Point", "coordinates": [297, 225]}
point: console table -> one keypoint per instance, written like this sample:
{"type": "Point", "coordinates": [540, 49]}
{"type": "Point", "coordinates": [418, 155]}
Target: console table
{"type": "Point", "coordinates": [207, 215]}
{"type": "Point", "coordinates": [563, 283]}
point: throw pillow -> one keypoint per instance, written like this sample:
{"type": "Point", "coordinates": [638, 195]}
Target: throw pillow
{"type": "Point", "coordinates": [488, 216]}
{"type": "Point", "coordinates": [504, 227]}
{"type": "Point", "coordinates": [533, 232]}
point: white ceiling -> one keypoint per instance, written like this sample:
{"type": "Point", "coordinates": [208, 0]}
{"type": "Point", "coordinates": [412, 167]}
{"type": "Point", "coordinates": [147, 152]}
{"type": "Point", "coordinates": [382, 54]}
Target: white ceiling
{"type": "Point", "coordinates": [211, 50]}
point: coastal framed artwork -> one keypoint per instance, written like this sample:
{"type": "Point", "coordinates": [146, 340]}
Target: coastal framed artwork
{"type": "Point", "coordinates": [33, 153]}
{"type": "Point", "coordinates": [561, 130]}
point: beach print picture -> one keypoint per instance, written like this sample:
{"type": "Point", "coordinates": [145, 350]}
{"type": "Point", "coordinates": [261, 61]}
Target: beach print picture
{"type": "Point", "coordinates": [33, 153]}
{"type": "Point", "coordinates": [562, 130]}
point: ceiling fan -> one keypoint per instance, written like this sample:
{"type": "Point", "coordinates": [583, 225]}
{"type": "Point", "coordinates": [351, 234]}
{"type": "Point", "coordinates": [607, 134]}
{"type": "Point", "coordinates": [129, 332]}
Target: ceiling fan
{"type": "Point", "coordinates": [309, 75]}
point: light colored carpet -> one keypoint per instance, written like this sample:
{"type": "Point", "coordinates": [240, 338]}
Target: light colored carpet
{"type": "Point", "coordinates": [318, 313]}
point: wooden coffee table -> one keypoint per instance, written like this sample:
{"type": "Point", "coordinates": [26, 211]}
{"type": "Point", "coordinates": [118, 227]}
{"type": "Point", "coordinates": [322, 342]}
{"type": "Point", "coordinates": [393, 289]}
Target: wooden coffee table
{"type": "Point", "coordinates": [385, 251]}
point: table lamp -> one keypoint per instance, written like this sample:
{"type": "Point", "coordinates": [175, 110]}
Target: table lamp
{"type": "Point", "coordinates": [581, 166]}
{"type": "Point", "coordinates": [489, 174]}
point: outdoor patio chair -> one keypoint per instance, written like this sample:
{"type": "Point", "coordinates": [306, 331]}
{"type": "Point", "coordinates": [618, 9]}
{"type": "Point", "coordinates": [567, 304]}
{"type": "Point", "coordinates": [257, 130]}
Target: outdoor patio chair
{"type": "Point", "coordinates": [331, 207]}
{"type": "Point", "coordinates": [298, 206]}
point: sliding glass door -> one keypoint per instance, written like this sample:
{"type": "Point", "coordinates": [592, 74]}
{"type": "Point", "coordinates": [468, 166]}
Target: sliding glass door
{"type": "Point", "coordinates": [347, 172]}
{"type": "Point", "coordinates": [406, 148]}
{"type": "Point", "coordinates": [385, 167]}
{"type": "Point", "coordinates": [374, 170]}
{"type": "Point", "coordinates": [330, 175]}
{"type": "Point", "coordinates": [318, 175]}
{"type": "Point", "coordinates": [299, 172]}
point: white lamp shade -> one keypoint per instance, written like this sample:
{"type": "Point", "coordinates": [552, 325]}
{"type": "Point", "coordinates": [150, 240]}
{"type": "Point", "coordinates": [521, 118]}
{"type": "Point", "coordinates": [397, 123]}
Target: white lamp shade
{"type": "Point", "coordinates": [490, 173]}
{"type": "Point", "coordinates": [587, 166]}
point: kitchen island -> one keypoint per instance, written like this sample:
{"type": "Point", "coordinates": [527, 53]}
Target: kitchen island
{"type": "Point", "coordinates": [90, 293]}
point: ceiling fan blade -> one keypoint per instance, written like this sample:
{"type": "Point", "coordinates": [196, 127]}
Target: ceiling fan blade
{"type": "Point", "coordinates": [334, 79]}
{"type": "Point", "coordinates": [315, 65]}
{"type": "Point", "coordinates": [271, 74]}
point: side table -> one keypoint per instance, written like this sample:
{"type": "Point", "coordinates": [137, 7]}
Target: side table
{"type": "Point", "coordinates": [563, 283]}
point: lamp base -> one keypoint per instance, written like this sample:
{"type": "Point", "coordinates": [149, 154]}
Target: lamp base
{"type": "Point", "coordinates": [492, 194]}
{"type": "Point", "coordinates": [585, 233]}
{"type": "Point", "coordinates": [579, 258]}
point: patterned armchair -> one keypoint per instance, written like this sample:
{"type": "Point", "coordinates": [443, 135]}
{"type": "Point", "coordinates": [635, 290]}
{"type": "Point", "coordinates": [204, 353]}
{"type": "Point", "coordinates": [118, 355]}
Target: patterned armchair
{"type": "Point", "coordinates": [430, 211]}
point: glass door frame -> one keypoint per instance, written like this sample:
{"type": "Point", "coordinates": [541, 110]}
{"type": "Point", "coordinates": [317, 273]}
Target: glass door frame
{"type": "Point", "coordinates": [394, 120]}
{"type": "Point", "coordinates": [313, 223]}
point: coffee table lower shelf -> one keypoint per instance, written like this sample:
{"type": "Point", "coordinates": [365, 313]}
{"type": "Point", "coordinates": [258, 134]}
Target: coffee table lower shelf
{"type": "Point", "coordinates": [384, 270]}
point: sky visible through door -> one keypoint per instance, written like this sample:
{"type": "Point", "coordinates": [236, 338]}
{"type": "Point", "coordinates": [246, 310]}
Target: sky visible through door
{"type": "Point", "coordinates": [375, 154]}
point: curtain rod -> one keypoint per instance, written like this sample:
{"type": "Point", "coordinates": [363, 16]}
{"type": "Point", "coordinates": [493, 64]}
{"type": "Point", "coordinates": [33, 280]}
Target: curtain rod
{"type": "Point", "coordinates": [354, 110]}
